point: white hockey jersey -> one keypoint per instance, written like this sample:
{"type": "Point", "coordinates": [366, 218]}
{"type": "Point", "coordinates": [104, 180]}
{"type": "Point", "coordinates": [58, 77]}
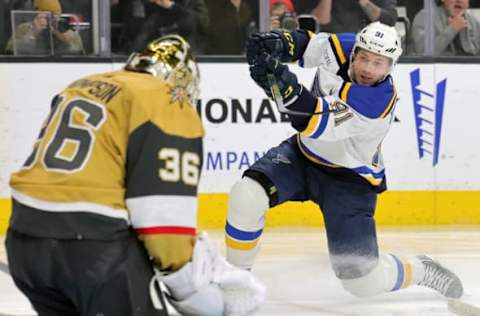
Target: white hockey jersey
{"type": "Point", "coordinates": [352, 136]}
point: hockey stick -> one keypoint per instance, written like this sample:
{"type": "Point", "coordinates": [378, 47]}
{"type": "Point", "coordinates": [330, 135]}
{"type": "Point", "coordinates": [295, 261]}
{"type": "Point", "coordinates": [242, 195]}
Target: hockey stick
{"type": "Point", "coordinates": [4, 268]}
{"type": "Point", "coordinates": [278, 98]}
{"type": "Point", "coordinates": [461, 308]}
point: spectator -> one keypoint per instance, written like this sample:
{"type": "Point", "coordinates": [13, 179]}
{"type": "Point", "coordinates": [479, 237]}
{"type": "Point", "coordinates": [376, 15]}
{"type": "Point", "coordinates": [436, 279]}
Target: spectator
{"type": "Point", "coordinates": [83, 9]}
{"type": "Point", "coordinates": [188, 18]}
{"type": "Point", "coordinates": [34, 37]}
{"type": "Point", "coordinates": [3, 25]}
{"type": "Point", "coordinates": [412, 7]}
{"type": "Point", "coordinates": [230, 27]}
{"type": "Point", "coordinates": [127, 18]}
{"type": "Point", "coordinates": [282, 15]}
{"type": "Point", "coordinates": [353, 15]}
{"type": "Point", "coordinates": [254, 6]}
{"type": "Point", "coordinates": [475, 4]}
{"type": "Point", "coordinates": [457, 32]}
{"type": "Point", "coordinates": [305, 6]}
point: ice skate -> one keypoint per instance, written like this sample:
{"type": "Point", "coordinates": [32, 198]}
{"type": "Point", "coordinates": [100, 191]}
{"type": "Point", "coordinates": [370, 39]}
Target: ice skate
{"type": "Point", "coordinates": [441, 279]}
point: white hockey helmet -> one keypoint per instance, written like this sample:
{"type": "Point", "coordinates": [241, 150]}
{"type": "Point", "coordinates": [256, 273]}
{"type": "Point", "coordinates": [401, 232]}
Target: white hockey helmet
{"type": "Point", "coordinates": [380, 39]}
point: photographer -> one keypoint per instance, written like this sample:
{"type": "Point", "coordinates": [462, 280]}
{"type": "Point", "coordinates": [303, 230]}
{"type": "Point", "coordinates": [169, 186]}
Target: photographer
{"type": "Point", "coordinates": [282, 15]}
{"type": "Point", "coordinates": [47, 26]}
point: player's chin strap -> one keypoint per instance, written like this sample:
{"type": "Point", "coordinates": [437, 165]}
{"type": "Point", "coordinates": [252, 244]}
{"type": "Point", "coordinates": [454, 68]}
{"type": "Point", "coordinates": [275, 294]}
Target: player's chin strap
{"type": "Point", "coordinates": [278, 98]}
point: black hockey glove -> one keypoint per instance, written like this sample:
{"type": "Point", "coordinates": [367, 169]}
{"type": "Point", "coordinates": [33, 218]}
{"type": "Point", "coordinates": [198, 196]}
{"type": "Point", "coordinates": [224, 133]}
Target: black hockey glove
{"type": "Point", "coordinates": [286, 80]}
{"type": "Point", "coordinates": [279, 44]}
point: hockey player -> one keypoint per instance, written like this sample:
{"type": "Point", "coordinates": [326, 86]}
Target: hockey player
{"type": "Point", "coordinates": [110, 192]}
{"type": "Point", "coordinates": [335, 158]}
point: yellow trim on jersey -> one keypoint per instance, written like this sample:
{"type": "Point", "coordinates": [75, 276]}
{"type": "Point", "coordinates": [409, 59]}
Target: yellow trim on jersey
{"type": "Point", "coordinates": [310, 157]}
{"type": "Point", "coordinates": [390, 104]}
{"type": "Point", "coordinates": [344, 92]}
{"type": "Point", "coordinates": [407, 270]}
{"type": "Point", "coordinates": [338, 49]}
{"type": "Point", "coordinates": [68, 206]}
{"type": "Point", "coordinates": [310, 34]}
{"type": "Point", "coordinates": [372, 180]}
{"type": "Point", "coordinates": [245, 246]}
{"type": "Point", "coordinates": [314, 120]}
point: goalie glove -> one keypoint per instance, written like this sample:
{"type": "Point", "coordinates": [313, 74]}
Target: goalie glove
{"type": "Point", "coordinates": [280, 44]}
{"type": "Point", "coordinates": [286, 80]}
{"type": "Point", "coordinates": [208, 285]}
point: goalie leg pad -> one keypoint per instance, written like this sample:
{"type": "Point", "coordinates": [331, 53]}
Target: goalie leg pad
{"type": "Point", "coordinates": [210, 286]}
{"type": "Point", "coordinates": [207, 301]}
{"type": "Point", "coordinates": [247, 205]}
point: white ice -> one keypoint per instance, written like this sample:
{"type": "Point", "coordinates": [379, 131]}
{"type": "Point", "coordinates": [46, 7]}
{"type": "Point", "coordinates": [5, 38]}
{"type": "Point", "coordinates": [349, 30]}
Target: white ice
{"type": "Point", "coordinates": [294, 265]}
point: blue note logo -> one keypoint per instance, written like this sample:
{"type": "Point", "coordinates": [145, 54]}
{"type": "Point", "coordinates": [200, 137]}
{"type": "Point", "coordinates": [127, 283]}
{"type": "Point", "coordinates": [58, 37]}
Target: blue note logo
{"type": "Point", "coordinates": [281, 159]}
{"type": "Point", "coordinates": [428, 108]}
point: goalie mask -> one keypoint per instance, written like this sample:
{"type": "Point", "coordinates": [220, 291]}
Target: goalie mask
{"type": "Point", "coordinates": [169, 58]}
{"type": "Point", "coordinates": [380, 39]}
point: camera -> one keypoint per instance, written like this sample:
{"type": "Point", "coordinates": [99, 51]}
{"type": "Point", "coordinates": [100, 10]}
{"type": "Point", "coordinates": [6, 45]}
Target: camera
{"type": "Point", "coordinates": [63, 24]}
{"type": "Point", "coordinates": [67, 22]}
{"type": "Point", "coordinates": [308, 22]}
{"type": "Point", "coordinates": [288, 21]}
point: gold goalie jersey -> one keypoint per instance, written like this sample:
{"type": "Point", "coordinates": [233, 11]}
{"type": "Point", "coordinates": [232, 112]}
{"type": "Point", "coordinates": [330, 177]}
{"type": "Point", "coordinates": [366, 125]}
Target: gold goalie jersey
{"type": "Point", "coordinates": [120, 145]}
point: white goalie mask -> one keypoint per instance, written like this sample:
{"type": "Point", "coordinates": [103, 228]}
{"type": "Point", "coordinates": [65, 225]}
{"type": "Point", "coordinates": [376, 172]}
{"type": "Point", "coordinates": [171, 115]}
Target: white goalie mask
{"type": "Point", "coordinates": [169, 58]}
{"type": "Point", "coordinates": [380, 39]}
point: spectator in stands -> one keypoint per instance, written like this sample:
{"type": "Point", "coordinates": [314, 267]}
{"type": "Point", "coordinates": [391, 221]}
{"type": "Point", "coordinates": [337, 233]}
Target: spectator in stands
{"type": "Point", "coordinates": [229, 27]}
{"type": "Point", "coordinates": [282, 15]}
{"type": "Point", "coordinates": [83, 9]}
{"type": "Point", "coordinates": [127, 18]}
{"type": "Point", "coordinates": [305, 6]}
{"type": "Point", "coordinates": [6, 6]}
{"type": "Point", "coordinates": [188, 18]}
{"type": "Point", "coordinates": [457, 32]}
{"type": "Point", "coordinates": [33, 37]}
{"type": "Point", "coordinates": [3, 24]}
{"type": "Point", "coordinates": [352, 15]}
{"type": "Point", "coordinates": [412, 7]}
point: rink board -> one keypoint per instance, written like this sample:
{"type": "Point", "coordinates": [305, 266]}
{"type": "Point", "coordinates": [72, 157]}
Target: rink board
{"type": "Point", "coordinates": [431, 152]}
{"type": "Point", "coordinates": [394, 208]}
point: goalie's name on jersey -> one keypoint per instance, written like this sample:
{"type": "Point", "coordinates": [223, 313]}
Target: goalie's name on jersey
{"type": "Point", "coordinates": [104, 91]}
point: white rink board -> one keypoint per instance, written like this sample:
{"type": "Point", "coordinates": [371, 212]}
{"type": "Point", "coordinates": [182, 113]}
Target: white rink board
{"type": "Point", "coordinates": [26, 90]}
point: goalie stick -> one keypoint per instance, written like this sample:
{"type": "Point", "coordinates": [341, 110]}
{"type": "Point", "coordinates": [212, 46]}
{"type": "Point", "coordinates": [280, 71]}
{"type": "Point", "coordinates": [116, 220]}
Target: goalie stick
{"type": "Point", "coordinates": [278, 98]}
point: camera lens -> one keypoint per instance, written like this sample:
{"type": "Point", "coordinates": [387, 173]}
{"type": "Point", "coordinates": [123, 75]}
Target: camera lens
{"type": "Point", "coordinates": [288, 21]}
